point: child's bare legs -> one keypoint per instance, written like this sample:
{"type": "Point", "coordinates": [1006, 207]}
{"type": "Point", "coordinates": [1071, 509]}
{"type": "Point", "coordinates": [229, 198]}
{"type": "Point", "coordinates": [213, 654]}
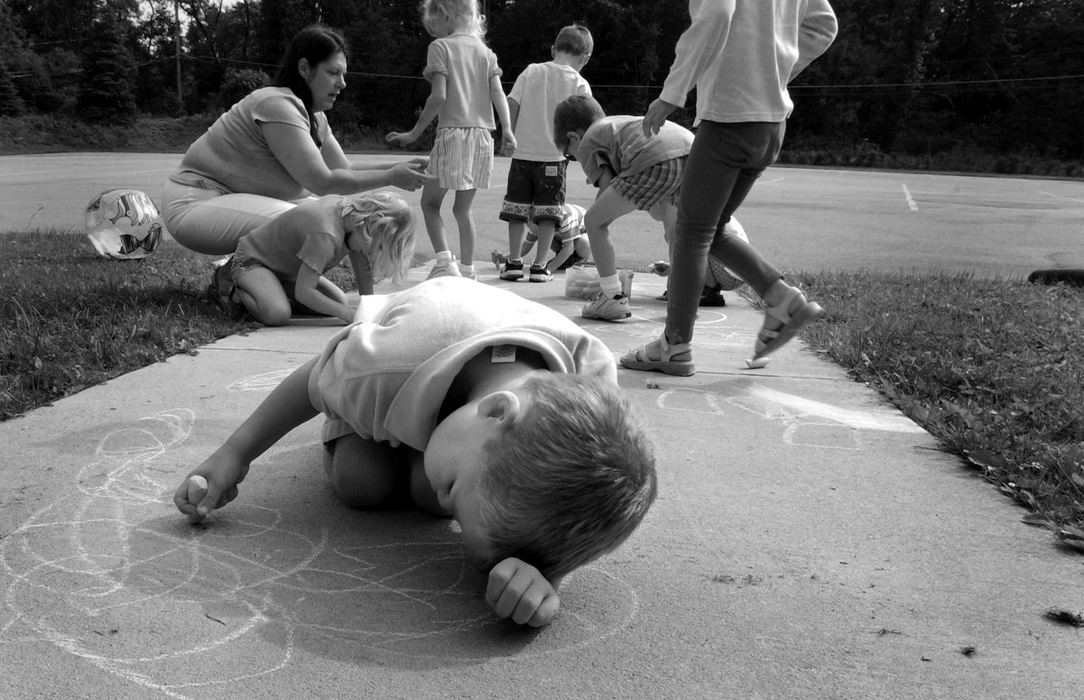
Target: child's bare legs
{"type": "Point", "coordinates": [517, 230]}
{"type": "Point", "coordinates": [365, 473]}
{"type": "Point", "coordinates": [610, 304]}
{"type": "Point", "coordinates": [546, 230]}
{"type": "Point", "coordinates": [461, 209]}
{"type": "Point", "coordinates": [609, 207]}
{"type": "Point", "coordinates": [262, 294]}
{"type": "Point", "coordinates": [430, 202]}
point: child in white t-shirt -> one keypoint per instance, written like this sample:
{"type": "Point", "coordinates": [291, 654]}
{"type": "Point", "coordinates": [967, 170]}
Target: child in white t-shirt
{"type": "Point", "coordinates": [536, 176]}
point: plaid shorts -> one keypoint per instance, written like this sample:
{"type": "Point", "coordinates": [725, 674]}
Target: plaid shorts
{"type": "Point", "coordinates": [648, 187]}
{"type": "Point", "coordinates": [462, 158]}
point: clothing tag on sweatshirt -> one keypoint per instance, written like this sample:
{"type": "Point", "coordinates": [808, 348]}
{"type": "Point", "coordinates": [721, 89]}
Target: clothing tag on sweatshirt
{"type": "Point", "coordinates": [502, 354]}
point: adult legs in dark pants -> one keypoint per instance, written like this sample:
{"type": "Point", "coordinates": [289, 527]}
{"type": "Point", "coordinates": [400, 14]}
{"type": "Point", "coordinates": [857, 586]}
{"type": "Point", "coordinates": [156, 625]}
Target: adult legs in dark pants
{"type": "Point", "coordinates": [725, 161]}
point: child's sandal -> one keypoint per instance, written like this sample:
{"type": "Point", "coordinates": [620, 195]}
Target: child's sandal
{"type": "Point", "coordinates": [791, 313]}
{"type": "Point", "coordinates": [675, 360]}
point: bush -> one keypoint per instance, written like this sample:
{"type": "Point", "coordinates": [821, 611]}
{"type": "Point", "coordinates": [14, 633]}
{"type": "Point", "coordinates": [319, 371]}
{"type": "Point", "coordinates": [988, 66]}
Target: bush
{"type": "Point", "coordinates": [238, 83]}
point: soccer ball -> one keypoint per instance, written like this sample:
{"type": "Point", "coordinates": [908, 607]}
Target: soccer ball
{"type": "Point", "coordinates": [123, 224]}
{"type": "Point", "coordinates": [724, 278]}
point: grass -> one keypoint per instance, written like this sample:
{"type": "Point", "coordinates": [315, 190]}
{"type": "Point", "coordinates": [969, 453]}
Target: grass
{"type": "Point", "coordinates": [71, 319]}
{"type": "Point", "coordinates": [992, 368]}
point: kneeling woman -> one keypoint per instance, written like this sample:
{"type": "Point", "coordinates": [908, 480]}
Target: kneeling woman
{"type": "Point", "coordinates": [271, 151]}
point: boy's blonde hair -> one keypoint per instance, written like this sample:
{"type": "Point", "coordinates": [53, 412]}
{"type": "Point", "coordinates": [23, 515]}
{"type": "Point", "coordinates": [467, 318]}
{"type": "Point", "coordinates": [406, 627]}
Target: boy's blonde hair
{"type": "Point", "coordinates": [571, 480]}
{"type": "Point", "coordinates": [575, 39]}
{"type": "Point", "coordinates": [389, 221]}
{"type": "Point", "coordinates": [443, 17]}
{"type": "Point", "coordinates": [576, 113]}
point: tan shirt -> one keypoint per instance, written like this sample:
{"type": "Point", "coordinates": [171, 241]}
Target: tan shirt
{"type": "Point", "coordinates": [234, 155]}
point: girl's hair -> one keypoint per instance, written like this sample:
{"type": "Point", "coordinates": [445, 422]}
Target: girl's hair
{"type": "Point", "coordinates": [315, 43]}
{"type": "Point", "coordinates": [389, 221]}
{"type": "Point", "coordinates": [443, 17]}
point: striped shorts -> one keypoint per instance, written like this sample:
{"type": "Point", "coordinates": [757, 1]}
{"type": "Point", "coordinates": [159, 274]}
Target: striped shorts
{"type": "Point", "coordinates": [462, 158]}
{"type": "Point", "coordinates": [648, 187]}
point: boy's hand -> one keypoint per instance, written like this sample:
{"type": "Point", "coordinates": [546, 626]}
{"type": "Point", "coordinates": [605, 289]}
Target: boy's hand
{"type": "Point", "coordinates": [657, 113]}
{"type": "Point", "coordinates": [221, 476]}
{"type": "Point", "coordinates": [519, 591]}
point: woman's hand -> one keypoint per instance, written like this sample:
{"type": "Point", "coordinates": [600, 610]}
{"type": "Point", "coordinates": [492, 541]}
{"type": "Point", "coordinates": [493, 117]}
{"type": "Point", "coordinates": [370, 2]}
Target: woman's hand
{"type": "Point", "coordinates": [408, 176]}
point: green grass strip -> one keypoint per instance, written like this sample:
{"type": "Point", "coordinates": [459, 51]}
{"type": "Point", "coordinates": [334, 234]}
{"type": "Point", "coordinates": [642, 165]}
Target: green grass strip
{"type": "Point", "coordinates": [993, 368]}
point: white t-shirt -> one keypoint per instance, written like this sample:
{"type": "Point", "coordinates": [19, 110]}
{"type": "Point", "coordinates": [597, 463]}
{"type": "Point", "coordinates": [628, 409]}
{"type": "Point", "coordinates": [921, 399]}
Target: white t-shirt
{"type": "Point", "coordinates": [385, 376]}
{"type": "Point", "coordinates": [740, 55]}
{"type": "Point", "coordinates": [538, 90]}
{"type": "Point", "coordinates": [234, 153]}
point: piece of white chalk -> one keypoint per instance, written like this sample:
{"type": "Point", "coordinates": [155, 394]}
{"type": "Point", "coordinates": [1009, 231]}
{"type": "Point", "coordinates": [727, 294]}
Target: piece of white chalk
{"type": "Point", "coordinates": [757, 363]}
{"type": "Point", "coordinates": [197, 489]}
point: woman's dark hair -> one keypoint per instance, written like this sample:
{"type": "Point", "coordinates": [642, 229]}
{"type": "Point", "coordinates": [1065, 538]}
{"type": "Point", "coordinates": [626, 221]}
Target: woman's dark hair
{"type": "Point", "coordinates": [315, 43]}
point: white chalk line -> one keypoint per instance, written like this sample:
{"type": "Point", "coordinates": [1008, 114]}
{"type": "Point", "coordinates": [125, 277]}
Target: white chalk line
{"type": "Point", "coordinates": [911, 204]}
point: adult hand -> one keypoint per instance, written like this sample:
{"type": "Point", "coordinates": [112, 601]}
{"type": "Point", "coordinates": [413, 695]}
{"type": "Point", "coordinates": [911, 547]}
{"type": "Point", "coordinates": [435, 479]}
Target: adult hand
{"type": "Point", "coordinates": [519, 591]}
{"type": "Point", "coordinates": [408, 176]}
{"type": "Point", "coordinates": [656, 114]}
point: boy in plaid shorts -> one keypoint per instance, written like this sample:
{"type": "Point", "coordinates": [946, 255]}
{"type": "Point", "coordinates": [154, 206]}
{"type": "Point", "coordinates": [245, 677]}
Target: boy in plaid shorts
{"type": "Point", "coordinates": [632, 172]}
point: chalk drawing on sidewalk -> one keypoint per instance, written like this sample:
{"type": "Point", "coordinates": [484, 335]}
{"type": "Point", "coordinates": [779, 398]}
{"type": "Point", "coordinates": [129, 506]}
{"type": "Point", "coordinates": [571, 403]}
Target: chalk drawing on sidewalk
{"type": "Point", "coordinates": [238, 598]}
{"type": "Point", "coordinates": [805, 422]}
{"type": "Point", "coordinates": [260, 382]}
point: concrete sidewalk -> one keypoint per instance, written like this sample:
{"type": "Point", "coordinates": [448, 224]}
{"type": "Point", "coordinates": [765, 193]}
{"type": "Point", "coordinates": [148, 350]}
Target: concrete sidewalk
{"type": "Point", "coordinates": [808, 542]}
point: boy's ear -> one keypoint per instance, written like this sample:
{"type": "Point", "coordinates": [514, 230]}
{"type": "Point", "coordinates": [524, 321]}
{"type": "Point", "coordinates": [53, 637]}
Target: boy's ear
{"type": "Point", "coordinates": [502, 406]}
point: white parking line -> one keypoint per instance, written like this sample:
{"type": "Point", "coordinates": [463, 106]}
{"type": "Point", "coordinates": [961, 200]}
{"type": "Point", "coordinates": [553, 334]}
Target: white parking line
{"type": "Point", "coordinates": [910, 200]}
{"type": "Point", "coordinates": [1058, 196]}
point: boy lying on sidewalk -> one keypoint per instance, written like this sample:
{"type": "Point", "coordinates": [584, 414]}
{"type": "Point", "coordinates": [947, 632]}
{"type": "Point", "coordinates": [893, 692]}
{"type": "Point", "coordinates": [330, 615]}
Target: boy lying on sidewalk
{"type": "Point", "coordinates": [482, 406]}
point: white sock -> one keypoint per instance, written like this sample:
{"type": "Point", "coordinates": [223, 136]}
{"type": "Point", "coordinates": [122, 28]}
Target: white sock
{"type": "Point", "coordinates": [444, 256]}
{"type": "Point", "coordinates": [466, 269]}
{"type": "Point", "coordinates": [611, 285]}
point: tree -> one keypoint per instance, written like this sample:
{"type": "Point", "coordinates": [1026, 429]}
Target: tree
{"type": "Point", "coordinates": [106, 90]}
{"type": "Point", "coordinates": [11, 104]}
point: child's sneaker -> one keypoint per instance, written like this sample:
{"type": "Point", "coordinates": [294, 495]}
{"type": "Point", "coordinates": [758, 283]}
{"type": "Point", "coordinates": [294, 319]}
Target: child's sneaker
{"type": "Point", "coordinates": [540, 274]}
{"type": "Point", "coordinates": [444, 268]}
{"type": "Point", "coordinates": [512, 271]}
{"type": "Point", "coordinates": [604, 308]}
